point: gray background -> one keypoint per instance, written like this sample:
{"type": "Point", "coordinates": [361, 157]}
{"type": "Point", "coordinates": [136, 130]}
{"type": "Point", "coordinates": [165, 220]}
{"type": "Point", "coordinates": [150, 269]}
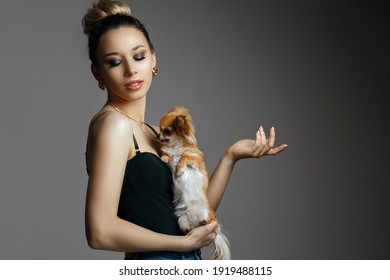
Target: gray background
{"type": "Point", "coordinates": [316, 70]}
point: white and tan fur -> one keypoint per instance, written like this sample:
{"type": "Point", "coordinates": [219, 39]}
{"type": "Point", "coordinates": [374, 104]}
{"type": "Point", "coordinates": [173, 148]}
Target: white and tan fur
{"type": "Point", "coordinates": [190, 176]}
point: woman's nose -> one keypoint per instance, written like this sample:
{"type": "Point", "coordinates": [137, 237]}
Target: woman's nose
{"type": "Point", "coordinates": [129, 69]}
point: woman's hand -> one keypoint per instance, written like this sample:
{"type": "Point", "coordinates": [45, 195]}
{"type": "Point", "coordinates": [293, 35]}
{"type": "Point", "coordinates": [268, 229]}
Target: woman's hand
{"type": "Point", "coordinates": [257, 148]}
{"type": "Point", "coordinates": [201, 236]}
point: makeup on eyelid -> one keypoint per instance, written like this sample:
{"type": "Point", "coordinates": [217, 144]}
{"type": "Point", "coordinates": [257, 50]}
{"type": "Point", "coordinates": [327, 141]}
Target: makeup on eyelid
{"type": "Point", "coordinates": [136, 57]}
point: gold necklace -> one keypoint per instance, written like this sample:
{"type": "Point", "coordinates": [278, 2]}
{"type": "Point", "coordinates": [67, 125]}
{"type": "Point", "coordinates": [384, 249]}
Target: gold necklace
{"type": "Point", "coordinates": [120, 110]}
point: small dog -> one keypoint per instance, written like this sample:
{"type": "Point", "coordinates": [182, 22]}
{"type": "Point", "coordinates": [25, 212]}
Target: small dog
{"type": "Point", "coordinates": [190, 176]}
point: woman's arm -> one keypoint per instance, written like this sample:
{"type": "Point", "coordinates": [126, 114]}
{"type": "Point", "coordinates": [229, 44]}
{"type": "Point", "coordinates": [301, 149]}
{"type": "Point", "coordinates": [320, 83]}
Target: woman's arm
{"type": "Point", "coordinates": [108, 149]}
{"type": "Point", "coordinates": [242, 149]}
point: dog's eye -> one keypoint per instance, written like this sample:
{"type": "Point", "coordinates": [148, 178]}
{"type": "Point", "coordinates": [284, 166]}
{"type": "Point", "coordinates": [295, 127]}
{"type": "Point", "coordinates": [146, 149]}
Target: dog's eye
{"type": "Point", "coordinates": [167, 131]}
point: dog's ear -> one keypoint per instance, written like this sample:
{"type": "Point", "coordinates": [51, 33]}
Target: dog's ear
{"type": "Point", "coordinates": [180, 125]}
{"type": "Point", "coordinates": [183, 126]}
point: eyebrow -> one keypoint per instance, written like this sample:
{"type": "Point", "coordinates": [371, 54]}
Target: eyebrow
{"type": "Point", "coordinates": [133, 49]}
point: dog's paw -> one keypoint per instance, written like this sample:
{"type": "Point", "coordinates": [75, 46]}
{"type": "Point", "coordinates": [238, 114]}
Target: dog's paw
{"type": "Point", "coordinates": [165, 158]}
{"type": "Point", "coordinates": [187, 230]}
{"type": "Point", "coordinates": [184, 224]}
{"type": "Point", "coordinates": [180, 170]}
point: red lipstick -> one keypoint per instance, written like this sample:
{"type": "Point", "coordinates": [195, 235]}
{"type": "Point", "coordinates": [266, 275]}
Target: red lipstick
{"type": "Point", "coordinates": [134, 84]}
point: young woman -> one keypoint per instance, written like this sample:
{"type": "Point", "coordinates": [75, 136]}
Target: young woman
{"type": "Point", "coordinates": [129, 199]}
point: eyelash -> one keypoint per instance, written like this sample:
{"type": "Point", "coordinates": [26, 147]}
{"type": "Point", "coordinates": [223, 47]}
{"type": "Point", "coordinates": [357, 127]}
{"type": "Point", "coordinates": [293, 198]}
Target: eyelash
{"type": "Point", "coordinates": [114, 63]}
{"type": "Point", "coordinates": [139, 57]}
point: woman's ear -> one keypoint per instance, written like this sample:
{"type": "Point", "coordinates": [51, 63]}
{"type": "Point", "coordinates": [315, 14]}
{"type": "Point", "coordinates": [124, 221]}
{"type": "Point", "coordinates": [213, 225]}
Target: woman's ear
{"type": "Point", "coordinates": [96, 73]}
{"type": "Point", "coordinates": [154, 59]}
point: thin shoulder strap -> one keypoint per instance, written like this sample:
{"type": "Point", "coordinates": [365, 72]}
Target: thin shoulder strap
{"type": "Point", "coordinates": [136, 147]}
{"type": "Point", "coordinates": [151, 127]}
{"type": "Point", "coordinates": [96, 117]}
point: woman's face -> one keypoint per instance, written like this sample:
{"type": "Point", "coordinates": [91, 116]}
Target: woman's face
{"type": "Point", "coordinates": [125, 64]}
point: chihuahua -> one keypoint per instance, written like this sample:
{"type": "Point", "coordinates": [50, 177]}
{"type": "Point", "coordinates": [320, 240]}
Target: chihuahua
{"type": "Point", "coordinates": [190, 176]}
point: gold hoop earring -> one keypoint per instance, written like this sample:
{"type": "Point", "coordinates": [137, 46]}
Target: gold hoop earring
{"type": "Point", "coordinates": [154, 71]}
{"type": "Point", "coordinates": [101, 85]}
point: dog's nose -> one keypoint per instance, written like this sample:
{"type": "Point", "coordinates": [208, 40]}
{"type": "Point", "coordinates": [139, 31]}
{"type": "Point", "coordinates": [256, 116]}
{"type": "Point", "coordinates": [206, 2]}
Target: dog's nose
{"type": "Point", "coordinates": [158, 136]}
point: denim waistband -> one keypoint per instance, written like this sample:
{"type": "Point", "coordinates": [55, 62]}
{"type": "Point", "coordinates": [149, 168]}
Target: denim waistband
{"type": "Point", "coordinates": [164, 255]}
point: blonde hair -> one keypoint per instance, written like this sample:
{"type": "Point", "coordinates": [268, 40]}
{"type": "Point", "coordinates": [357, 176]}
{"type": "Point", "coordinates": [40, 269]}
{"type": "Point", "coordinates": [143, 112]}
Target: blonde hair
{"type": "Point", "coordinates": [105, 15]}
{"type": "Point", "coordinates": [102, 9]}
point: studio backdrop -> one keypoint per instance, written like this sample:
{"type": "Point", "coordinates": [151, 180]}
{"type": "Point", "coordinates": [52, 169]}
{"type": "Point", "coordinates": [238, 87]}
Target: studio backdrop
{"type": "Point", "coordinates": [318, 71]}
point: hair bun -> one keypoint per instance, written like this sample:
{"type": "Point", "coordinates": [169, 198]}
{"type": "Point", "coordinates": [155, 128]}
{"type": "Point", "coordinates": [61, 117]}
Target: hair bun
{"type": "Point", "coordinates": [102, 9]}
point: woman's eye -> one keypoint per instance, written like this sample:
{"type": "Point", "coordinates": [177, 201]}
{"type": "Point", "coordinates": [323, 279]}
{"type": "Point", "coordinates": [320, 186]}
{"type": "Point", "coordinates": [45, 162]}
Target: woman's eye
{"type": "Point", "coordinates": [139, 56]}
{"type": "Point", "coordinates": [113, 63]}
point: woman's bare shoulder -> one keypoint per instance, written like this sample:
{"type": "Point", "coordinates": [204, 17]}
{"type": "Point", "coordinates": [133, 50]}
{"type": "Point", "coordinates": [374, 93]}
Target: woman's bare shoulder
{"type": "Point", "coordinates": [110, 132]}
{"type": "Point", "coordinates": [110, 124]}
{"type": "Point", "coordinates": [109, 138]}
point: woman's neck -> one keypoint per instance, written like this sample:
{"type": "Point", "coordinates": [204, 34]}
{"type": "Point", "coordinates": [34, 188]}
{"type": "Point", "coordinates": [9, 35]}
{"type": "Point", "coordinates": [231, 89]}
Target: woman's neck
{"type": "Point", "coordinates": [134, 109]}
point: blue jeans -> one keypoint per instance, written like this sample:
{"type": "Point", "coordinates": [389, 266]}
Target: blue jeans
{"type": "Point", "coordinates": [157, 255]}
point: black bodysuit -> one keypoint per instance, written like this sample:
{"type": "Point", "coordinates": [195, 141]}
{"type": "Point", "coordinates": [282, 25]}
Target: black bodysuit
{"type": "Point", "coordinates": [146, 196]}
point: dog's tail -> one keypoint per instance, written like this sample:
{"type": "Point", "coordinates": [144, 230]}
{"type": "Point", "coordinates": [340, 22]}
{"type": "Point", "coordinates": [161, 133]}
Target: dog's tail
{"type": "Point", "coordinates": [221, 247]}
